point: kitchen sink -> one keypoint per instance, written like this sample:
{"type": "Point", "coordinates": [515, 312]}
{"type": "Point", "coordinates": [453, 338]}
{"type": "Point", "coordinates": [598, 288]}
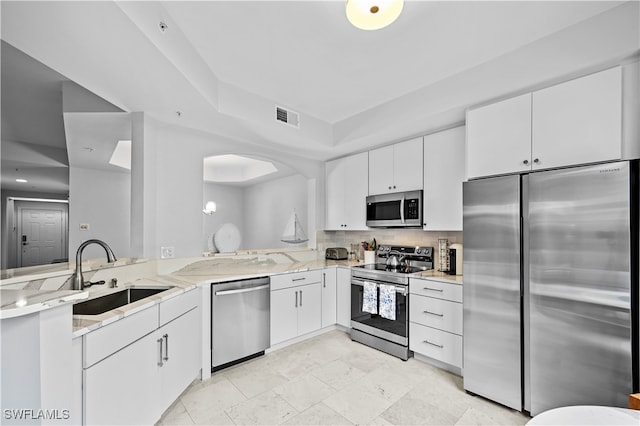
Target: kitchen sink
{"type": "Point", "coordinates": [115, 300]}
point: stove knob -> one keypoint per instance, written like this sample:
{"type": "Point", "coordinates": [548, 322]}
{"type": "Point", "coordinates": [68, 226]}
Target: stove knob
{"type": "Point", "coordinates": [418, 250]}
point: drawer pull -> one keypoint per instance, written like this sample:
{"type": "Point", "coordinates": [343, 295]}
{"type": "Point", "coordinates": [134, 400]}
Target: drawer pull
{"type": "Point", "coordinates": [434, 344]}
{"type": "Point", "coordinates": [433, 313]}
{"type": "Point", "coordinates": [433, 289]}
{"type": "Point", "coordinates": [299, 279]}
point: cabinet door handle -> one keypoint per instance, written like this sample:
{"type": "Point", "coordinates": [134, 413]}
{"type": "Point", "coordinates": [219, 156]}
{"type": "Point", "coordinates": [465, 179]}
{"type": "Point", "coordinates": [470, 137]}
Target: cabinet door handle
{"type": "Point", "coordinates": [536, 160]}
{"type": "Point", "coordinates": [300, 298]}
{"type": "Point", "coordinates": [525, 162]}
{"type": "Point", "coordinates": [434, 344]}
{"type": "Point", "coordinates": [296, 298]}
{"type": "Point", "coordinates": [433, 289]}
{"type": "Point", "coordinates": [324, 279]}
{"type": "Point", "coordinates": [160, 357]}
{"type": "Point", "coordinates": [433, 313]}
{"type": "Point", "coordinates": [166, 347]}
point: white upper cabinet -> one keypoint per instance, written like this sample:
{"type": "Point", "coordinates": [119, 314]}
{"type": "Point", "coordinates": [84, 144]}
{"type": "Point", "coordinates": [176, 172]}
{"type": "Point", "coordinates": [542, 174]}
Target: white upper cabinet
{"type": "Point", "coordinates": [578, 122]}
{"type": "Point", "coordinates": [444, 172]}
{"type": "Point", "coordinates": [347, 187]}
{"type": "Point", "coordinates": [572, 123]}
{"type": "Point", "coordinates": [499, 137]}
{"type": "Point", "coordinates": [396, 168]}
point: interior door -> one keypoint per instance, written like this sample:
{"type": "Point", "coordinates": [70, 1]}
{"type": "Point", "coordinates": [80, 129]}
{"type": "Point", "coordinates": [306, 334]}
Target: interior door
{"type": "Point", "coordinates": [41, 236]}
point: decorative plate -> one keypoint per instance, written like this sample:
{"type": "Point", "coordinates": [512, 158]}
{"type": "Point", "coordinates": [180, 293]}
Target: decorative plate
{"type": "Point", "coordinates": [227, 238]}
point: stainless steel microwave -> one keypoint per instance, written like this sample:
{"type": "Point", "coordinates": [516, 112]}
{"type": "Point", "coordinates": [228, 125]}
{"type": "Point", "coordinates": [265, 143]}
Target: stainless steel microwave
{"type": "Point", "coordinates": [399, 209]}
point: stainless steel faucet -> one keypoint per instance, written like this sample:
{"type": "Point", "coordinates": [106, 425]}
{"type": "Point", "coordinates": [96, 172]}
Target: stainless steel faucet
{"type": "Point", "coordinates": [78, 279]}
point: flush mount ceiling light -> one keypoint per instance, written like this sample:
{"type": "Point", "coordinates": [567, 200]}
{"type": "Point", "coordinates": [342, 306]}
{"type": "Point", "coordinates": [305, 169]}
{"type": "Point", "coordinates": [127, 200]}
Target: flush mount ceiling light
{"type": "Point", "coordinates": [373, 14]}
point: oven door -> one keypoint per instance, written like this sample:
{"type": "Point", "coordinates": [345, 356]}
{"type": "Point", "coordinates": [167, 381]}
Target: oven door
{"type": "Point", "coordinates": [393, 330]}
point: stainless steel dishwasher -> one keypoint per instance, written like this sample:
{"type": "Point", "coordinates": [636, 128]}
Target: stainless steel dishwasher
{"type": "Point", "coordinates": [240, 321]}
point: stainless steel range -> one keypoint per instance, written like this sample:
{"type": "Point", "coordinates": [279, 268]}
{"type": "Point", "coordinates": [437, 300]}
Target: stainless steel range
{"type": "Point", "coordinates": [380, 298]}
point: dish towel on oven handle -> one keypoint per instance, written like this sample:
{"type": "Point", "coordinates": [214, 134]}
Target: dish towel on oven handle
{"type": "Point", "coordinates": [388, 302]}
{"type": "Point", "coordinates": [370, 298]}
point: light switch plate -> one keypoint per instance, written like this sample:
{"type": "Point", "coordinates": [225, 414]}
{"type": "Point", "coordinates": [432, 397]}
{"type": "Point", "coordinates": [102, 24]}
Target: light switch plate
{"type": "Point", "coordinates": [84, 226]}
{"type": "Point", "coordinates": [166, 253]}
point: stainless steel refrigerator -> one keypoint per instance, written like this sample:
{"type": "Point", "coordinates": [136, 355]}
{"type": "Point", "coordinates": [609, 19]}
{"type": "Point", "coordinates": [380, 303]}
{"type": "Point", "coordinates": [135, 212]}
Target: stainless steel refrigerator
{"type": "Point", "coordinates": [551, 287]}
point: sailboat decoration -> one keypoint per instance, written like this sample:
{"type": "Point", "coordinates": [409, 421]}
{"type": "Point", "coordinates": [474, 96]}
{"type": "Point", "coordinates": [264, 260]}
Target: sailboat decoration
{"type": "Point", "coordinates": [293, 233]}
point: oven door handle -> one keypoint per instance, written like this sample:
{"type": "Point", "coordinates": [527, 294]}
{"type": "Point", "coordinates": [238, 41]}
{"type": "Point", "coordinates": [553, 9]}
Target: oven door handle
{"type": "Point", "coordinates": [359, 282]}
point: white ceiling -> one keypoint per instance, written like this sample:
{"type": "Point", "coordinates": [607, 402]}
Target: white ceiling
{"type": "Point", "coordinates": [308, 57]}
{"type": "Point", "coordinates": [225, 64]}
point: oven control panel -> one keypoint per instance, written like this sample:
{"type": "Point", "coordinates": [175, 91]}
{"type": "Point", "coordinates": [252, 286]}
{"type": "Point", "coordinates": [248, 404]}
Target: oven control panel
{"type": "Point", "coordinates": [409, 251]}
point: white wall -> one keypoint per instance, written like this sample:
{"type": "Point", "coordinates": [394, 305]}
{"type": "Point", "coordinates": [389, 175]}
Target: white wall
{"type": "Point", "coordinates": [268, 207]}
{"type": "Point", "coordinates": [230, 209]}
{"type": "Point", "coordinates": [180, 186]}
{"type": "Point", "coordinates": [102, 199]}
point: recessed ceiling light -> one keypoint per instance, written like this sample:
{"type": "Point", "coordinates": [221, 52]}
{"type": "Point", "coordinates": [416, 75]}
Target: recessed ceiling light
{"type": "Point", "coordinates": [21, 180]}
{"type": "Point", "coordinates": [163, 27]}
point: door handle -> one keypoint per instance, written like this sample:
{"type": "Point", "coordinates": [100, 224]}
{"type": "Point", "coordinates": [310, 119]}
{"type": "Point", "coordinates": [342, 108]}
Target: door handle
{"type": "Point", "coordinates": [241, 290]}
{"type": "Point", "coordinates": [166, 347]}
{"type": "Point", "coordinates": [324, 279]}
{"type": "Point", "coordinates": [296, 298]}
{"type": "Point", "coordinates": [402, 209]}
{"type": "Point", "coordinates": [160, 357]}
{"type": "Point", "coordinates": [301, 298]}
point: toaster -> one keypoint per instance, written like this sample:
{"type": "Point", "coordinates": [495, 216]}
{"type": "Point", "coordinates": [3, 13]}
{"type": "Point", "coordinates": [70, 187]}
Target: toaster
{"type": "Point", "coordinates": [336, 253]}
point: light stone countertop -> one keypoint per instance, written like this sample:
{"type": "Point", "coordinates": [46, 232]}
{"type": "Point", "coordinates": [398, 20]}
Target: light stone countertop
{"type": "Point", "coordinates": [434, 275]}
{"type": "Point", "coordinates": [202, 272]}
{"type": "Point", "coordinates": [15, 303]}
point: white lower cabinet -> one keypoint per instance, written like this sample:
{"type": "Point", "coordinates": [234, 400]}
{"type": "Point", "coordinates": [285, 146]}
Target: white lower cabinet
{"type": "Point", "coordinates": [435, 320]}
{"type": "Point", "coordinates": [436, 344]}
{"type": "Point", "coordinates": [182, 352]}
{"type": "Point", "coordinates": [136, 383]}
{"type": "Point", "coordinates": [296, 305]}
{"type": "Point", "coordinates": [124, 387]}
{"type": "Point", "coordinates": [328, 297]}
{"type": "Point", "coordinates": [343, 297]}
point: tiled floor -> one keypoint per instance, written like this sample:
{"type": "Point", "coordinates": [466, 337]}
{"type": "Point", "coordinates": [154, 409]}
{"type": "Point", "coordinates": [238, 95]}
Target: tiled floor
{"type": "Point", "coordinates": [330, 380]}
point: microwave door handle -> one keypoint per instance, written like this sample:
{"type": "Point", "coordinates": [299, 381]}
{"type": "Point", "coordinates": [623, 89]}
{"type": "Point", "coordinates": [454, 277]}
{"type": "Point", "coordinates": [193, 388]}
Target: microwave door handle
{"type": "Point", "coordinates": [402, 210]}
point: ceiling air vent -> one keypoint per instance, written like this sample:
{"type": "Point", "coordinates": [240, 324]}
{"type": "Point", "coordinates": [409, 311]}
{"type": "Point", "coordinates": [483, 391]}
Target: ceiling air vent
{"type": "Point", "coordinates": [289, 117]}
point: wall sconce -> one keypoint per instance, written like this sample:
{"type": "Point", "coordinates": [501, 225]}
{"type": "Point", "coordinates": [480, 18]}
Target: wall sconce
{"type": "Point", "coordinates": [209, 208]}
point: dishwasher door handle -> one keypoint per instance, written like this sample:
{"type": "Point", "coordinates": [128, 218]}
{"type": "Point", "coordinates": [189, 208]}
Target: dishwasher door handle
{"type": "Point", "coordinates": [241, 290]}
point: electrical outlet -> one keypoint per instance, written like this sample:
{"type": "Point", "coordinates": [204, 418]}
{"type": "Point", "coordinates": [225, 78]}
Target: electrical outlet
{"type": "Point", "coordinates": [84, 226]}
{"type": "Point", "coordinates": [166, 252]}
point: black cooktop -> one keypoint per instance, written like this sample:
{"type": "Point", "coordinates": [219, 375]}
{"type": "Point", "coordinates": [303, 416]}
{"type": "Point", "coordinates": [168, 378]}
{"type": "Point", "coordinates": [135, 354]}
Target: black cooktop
{"type": "Point", "coordinates": [385, 268]}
